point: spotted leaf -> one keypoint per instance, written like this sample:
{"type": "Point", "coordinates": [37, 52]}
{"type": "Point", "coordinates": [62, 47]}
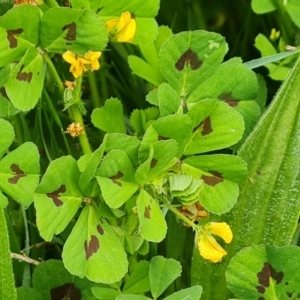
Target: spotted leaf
{"type": "Point", "coordinates": [162, 156]}
{"type": "Point", "coordinates": [220, 174]}
{"type": "Point", "coordinates": [215, 126]}
{"type": "Point", "coordinates": [58, 197]}
{"type": "Point", "coordinates": [19, 173]}
{"type": "Point", "coordinates": [265, 272]}
{"type": "Point", "coordinates": [116, 178]}
{"type": "Point", "coordinates": [17, 34]}
{"type": "Point", "coordinates": [24, 86]}
{"type": "Point", "coordinates": [189, 58]}
{"type": "Point", "coordinates": [153, 226]}
{"type": "Point", "coordinates": [98, 252]}
{"type": "Point", "coordinates": [80, 31]}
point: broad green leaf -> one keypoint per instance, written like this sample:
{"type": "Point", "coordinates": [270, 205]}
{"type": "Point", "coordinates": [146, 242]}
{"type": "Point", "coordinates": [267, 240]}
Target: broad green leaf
{"type": "Point", "coordinates": [267, 272]}
{"type": "Point", "coordinates": [143, 11]}
{"type": "Point", "coordinates": [192, 293]}
{"type": "Point", "coordinates": [162, 156]}
{"type": "Point", "coordinates": [251, 113]}
{"type": "Point", "coordinates": [98, 252]}
{"type": "Point", "coordinates": [268, 207]}
{"type": "Point", "coordinates": [109, 118]}
{"type": "Point", "coordinates": [87, 181]}
{"type": "Point", "coordinates": [8, 290]}
{"type": "Point", "coordinates": [262, 6]}
{"type": "Point", "coordinates": [129, 144]}
{"type": "Point", "coordinates": [19, 173]}
{"type": "Point", "coordinates": [216, 126]}
{"type": "Point", "coordinates": [169, 100]}
{"type": "Point", "coordinates": [144, 70]}
{"type": "Point", "coordinates": [176, 127]}
{"type": "Point", "coordinates": [221, 174]}
{"type": "Point", "coordinates": [58, 197]}
{"type": "Point", "coordinates": [162, 273]}
{"type": "Point", "coordinates": [138, 281]}
{"type": "Point", "coordinates": [141, 119]}
{"type": "Point", "coordinates": [105, 293]}
{"type": "Point", "coordinates": [53, 281]}
{"type": "Point", "coordinates": [25, 84]}
{"type": "Point", "coordinates": [17, 33]}
{"type": "Point", "coordinates": [188, 58]}
{"type": "Point", "coordinates": [116, 178]}
{"type": "Point", "coordinates": [6, 107]}
{"type": "Point", "coordinates": [132, 297]}
{"type": "Point", "coordinates": [80, 31]}
{"type": "Point", "coordinates": [293, 9]}
{"type": "Point", "coordinates": [153, 226]}
{"type": "Point", "coordinates": [8, 134]}
{"type": "Point", "coordinates": [231, 82]}
{"type": "Point", "coordinates": [25, 293]}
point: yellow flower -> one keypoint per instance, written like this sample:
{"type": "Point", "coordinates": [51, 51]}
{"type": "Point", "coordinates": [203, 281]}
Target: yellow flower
{"type": "Point", "coordinates": [122, 29]}
{"type": "Point", "coordinates": [208, 246]}
{"type": "Point", "coordinates": [80, 64]}
{"type": "Point", "coordinates": [274, 34]}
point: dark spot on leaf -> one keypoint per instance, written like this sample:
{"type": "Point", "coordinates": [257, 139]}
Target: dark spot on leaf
{"type": "Point", "coordinates": [266, 273]}
{"type": "Point", "coordinates": [55, 194]}
{"type": "Point", "coordinates": [71, 31]}
{"type": "Point", "coordinates": [162, 138]}
{"type": "Point", "coordinates": [19, 174]}
{"type": "Point", "coordinates": [227, 97]}
{"type": "Point", "coordinates": [100, 229]}
{"type": "Point", "coordinates": [289, 294]}
{"type": "Point", "coordinates": [206, 123]}
{"type": "Point", "coordinates": [147, 212]}
{"type": "Point", "coordinates": [153, 163]}
{"type": "Point", "coordinates": [13, 42]}
{"type": "Point", "coordinates": [68, 44]}
{"type": "Point", "coordinates": [23, 76]}
{"type": "Point", "coordinates": [91, 247]}
{"type": "Point", "coordinates": [261, 298]}
{"type": "Point", "coordinates": [286, 283]}
{"type": "Point", "coordinates": [188, 57]}
{"type": "Point", "coordinates": [3, 92]}
{"type": "Point", "coordinates": [117, 176]}
{"type": "Point", "coordinates": [66, 291]}
{"type": "Point", "coordinates": [260, 289]}
{"type": "Point", "coordinates": [212, 180]}
{"type": "Point", "coordinates": [232, 103]}
{"type": "Point", "coordinates": [258, 172]}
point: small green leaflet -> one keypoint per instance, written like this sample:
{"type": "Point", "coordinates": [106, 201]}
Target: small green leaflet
{"type": "Point", "coordinates": [221, 174]}
{"type": "Point", "coordinates": [265, 272]}
{"type": "Point", "coordinates": [153, 226]}
{"type": "Point", "coordinates": [24, 87]}
{"type": "Point", "coordinates": [109, 118]}
{"type": "Point", "coordinates": [96, 249]}
{"type": "Point", "coordinates": [216, 126]}
{"type": "Point", "coordinates": [116, 178]}
{"type": "Point", "coordinates": [188, 58]}
{"type": "Point", "coordinates": [162, 273]}
{"type": "Point", "coordinates": [17, 34]}
{"type": "Point", "coordinates": [58, 197]}
{"type": "Point", "coordinates": [19, 169]}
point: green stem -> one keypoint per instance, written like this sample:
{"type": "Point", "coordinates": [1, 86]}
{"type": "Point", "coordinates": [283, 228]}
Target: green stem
{"type": "Point", "coordinates": [179, 214]}
{"type": "Point", "coordinates": [56, 118]}
{"type": "Point", "coordinates": [54, 74]}
{"type": "Point", "coordinates": [95, 95]}
{"type": "Point", "coordinates": [26, 274]}
{"type": "Point", "coordinates": [77, 116]}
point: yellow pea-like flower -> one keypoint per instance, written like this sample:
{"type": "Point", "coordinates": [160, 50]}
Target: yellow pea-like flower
{"type": "Point", "coordinates": [122, 29]}
{"type": "Point", "coordinates": [208, 246]}
{"type": "Point", "coordinates": [80, 64]}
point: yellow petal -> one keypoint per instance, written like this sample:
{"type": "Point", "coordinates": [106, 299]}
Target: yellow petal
{"type": "Point", "coordinates": [210, 249]}
{"type": "Point", "coordinates": [92, 55]}
{"type": "Point", "coordinates": [111, 25]}
{"type": "Point", "coordinates": [69, 57]}
{"type": "Point", "coordinates": [128, 33]}
{"type": "Point", "coordinates": [220, 229]}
